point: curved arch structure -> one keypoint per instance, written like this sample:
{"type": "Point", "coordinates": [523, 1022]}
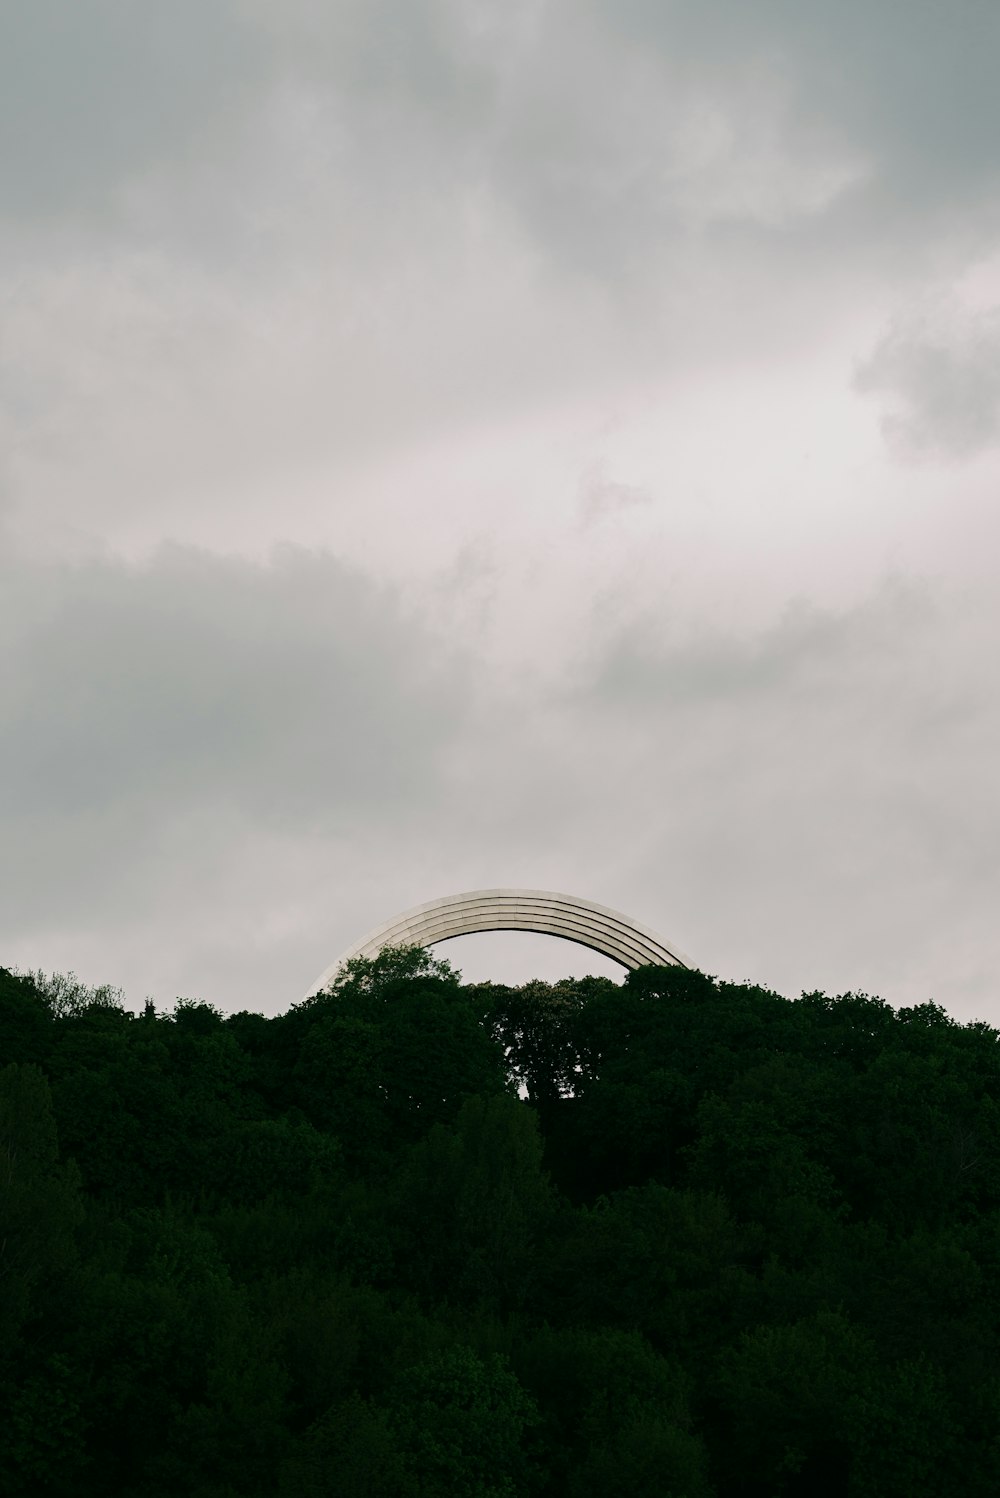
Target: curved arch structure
{"type": "Point", "coordinates": [590, 925]}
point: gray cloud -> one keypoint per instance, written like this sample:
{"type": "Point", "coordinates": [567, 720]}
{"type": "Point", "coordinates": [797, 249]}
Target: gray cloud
{"type": "Point", "coordinates": [609, 129]}
{"type": "Point", "coordinates": [216, 775]}
{"type": "Point", "coordinates": [342, 227]}
{"type": "Point", "coordinates": [293, 696]}
{"type": "Point", "coordinates": [811, 803]}
{"type": "Point", "coordinates": [940, 374]}
{"type": "Point", "coordinates": [602, 496]}
{"type": "Point", "coordinates": [291, 270]}
{"type": "Point", "coordinates": [94, 93]}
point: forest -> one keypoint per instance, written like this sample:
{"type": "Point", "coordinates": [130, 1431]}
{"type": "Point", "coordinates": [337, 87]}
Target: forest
{"type": "Point", "coordinates": [417, 1238]}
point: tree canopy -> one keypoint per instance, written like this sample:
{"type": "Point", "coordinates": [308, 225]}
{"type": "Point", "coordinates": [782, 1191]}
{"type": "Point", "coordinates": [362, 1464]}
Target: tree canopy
{"type": "Point", "coordinates": [675, 1237]}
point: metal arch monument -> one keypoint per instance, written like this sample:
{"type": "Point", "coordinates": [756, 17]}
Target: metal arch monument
{"type": "Point", "coordinates": [590, 925]}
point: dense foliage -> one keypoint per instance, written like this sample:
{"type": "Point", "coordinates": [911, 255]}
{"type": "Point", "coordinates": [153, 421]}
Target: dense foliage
{"type": "Point", "coordinates": [414, 1237]}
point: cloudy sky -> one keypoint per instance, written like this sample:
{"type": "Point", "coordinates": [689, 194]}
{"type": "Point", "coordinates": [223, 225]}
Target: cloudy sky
{"type": "Point", "coordinates": [455, 443]}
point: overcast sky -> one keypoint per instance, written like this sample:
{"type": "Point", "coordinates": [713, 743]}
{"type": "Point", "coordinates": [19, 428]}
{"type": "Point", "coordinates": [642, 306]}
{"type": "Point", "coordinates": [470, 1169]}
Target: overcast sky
{"type": "Point", "coordinates": [458, 443]}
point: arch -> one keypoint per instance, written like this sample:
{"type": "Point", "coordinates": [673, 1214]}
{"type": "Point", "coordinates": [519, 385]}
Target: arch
{"type": "Point", "coordinates": [590, 925]}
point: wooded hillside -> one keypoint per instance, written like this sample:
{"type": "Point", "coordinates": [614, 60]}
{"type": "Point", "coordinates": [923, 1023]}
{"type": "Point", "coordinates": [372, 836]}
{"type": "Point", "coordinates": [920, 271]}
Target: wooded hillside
{"type": "Point", "coordinates": [415, 1237]}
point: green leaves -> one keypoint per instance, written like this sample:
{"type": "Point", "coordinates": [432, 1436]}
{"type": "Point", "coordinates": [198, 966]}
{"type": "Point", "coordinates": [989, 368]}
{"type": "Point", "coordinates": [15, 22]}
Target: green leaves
{"type": "Point", "coordinates": [453, 1426]}
{"type": "Point", "coordinates": [25, 1020]}
{"type": "Point", "coordinates": [616, 1413]}
{"type": "Point", "coordinates": [472, 1203]}
{"type": "Point", "coordinates": [812, 1409]}
{"type": "Point", "coordinates": [460, 1421]}
{"type": "Point", "coordinates": [726, 1244]}
{"type": "Point", "coordinates": [45, 1432]}
{"type": "Point", "coordinates": [40, 1206]}
{"type": "Point", "coordinates": [391, 1050]}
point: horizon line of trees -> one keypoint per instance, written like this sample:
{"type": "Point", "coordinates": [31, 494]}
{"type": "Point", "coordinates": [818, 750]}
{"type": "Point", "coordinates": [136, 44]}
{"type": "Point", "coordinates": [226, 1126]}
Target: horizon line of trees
{"type": "Point", "coordinates": [674, 1237]}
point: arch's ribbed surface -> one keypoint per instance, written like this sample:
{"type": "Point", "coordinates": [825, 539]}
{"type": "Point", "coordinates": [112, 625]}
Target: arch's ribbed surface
{"type": "Point", "coordinates": [594, 926]}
